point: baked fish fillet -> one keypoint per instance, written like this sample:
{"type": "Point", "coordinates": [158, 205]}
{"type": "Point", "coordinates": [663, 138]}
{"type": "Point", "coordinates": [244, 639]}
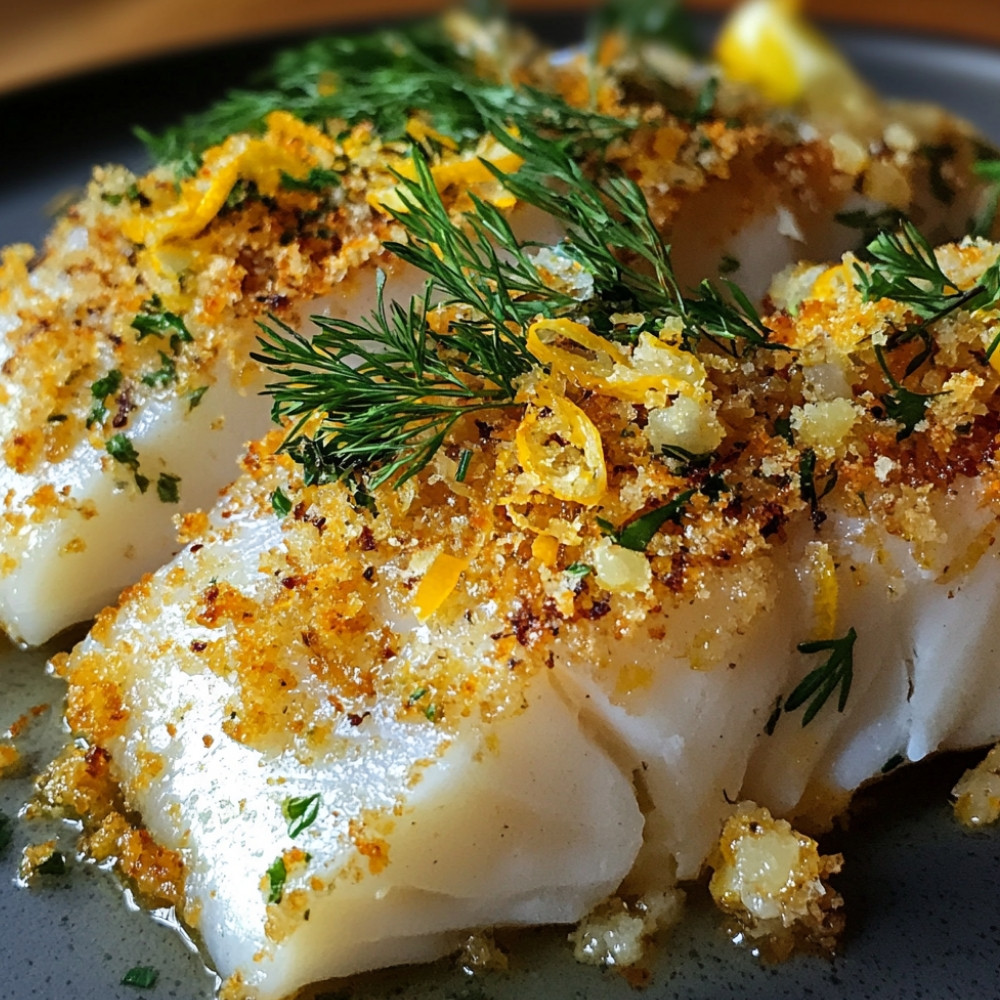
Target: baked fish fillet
{"type": "Point", "coordinates": [366, 725]}
{"type": "Point", "coordinates": [127, 387]}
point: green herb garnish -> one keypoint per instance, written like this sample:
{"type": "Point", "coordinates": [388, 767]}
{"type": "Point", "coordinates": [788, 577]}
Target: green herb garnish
{"type": "Point", "coordinates": [384, 77]}
{"type": "Point", "coordinates": [168, 488]}
{"type": "Point", "coordinates": [870, 225]}
{"type": "Point", "coordinates": [463, 465]}
{"type": "Point", "coordinates": [164, 375]}
{"type": "Point", "coordinates": [317, 180]}
{"type": "Point", "coordinates": [639, 532]}
{"type": "Point", "coordinates": [903, 405]}
{"type": "Point", "coordinates": [579, 570]}
{"type": "Point", "coordinates": [836, 672]}
{"type": "Point", "coordinates": [6, 831]}
{"type": "Point", "coordinates": [105, 386]}
{"type": "Point", "coordinates": [905, 269]}
{"type": "Point", "coordinates": [280, 503]}
{"type": "Point", "coordinates": [390, 389]}
{"type": "Point", "coordinates": [143, 977]}
{"type": "Point", "coordinates": [300, 812]}
{"type": "Point", "coordinates": [154, 320]}
{"type": "Point", "coordinates": [807, 484]}
{"type": "Point", "coordinates": [121, 449]}
{"type": "Point", "coordinates": [195, 395]}
{"type": "Point", "coordinates": [277, 875]}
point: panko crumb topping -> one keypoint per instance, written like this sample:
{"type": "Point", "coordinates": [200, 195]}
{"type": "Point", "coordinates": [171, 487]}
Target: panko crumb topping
{"type": "Point", "coordinates": [629, 477]}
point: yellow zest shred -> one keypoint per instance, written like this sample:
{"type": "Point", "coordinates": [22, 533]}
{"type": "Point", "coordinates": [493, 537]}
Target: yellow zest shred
{"type": "Point", "coordinates": [558, 444]}
{"type": "Point", "coordinates": [826, 590]}
{"type": "Point", "coordinates": [289, 146]}
{"type": "Point", "coordinates": [438, 582]}
{"type": "Point", "coordinates": [605, 367]}
{"type": "Point", "coordinates": [464, 169]}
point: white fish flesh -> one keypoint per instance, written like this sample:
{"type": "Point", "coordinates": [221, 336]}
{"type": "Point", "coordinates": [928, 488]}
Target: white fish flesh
{"type": "Point", "coordinates": [494, 708]}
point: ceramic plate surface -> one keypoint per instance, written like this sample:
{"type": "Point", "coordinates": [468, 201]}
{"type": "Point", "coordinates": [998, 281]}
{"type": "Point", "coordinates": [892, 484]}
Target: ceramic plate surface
{"type": "Point", "coordinates": [921, 894]}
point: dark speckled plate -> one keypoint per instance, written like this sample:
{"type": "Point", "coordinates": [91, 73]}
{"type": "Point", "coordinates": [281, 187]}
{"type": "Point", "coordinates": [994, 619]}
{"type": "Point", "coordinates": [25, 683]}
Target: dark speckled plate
{"type": "Point", "coordinates": [922, 901]}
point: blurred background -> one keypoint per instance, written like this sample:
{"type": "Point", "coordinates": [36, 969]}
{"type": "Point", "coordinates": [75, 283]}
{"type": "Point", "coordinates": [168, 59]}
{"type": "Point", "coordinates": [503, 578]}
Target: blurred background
{"type": "Point", "coordinates": [47, 39]}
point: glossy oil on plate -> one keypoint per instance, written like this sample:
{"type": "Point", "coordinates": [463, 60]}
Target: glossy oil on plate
{"type": "Point", "coordinates": [920, 891]}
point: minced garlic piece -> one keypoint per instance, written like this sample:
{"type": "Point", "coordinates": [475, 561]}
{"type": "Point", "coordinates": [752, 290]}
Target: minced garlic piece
{"type": "Point", "coordinates": [824, 426]}
{"type": "Point", "coordinates": [686, 424]}
{"type": "Point", "coordinates": [620, 570]}
{"type": "Point", "coordinates": [773, 879]}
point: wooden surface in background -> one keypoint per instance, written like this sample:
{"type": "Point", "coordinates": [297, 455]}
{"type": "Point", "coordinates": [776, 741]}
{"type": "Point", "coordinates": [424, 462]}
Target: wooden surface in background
{"type": "Point", "coordinates": [43, 39]}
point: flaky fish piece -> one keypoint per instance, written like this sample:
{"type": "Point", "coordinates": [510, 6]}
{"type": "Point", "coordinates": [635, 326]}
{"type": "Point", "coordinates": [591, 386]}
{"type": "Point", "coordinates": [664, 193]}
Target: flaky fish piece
{"type": "Point", "coordinates": [127, 382]}
{"type": "Point", "coordinates": [540, 670]}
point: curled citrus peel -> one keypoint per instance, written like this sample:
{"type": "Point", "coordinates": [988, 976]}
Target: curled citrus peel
{"type": "Point", "coordinates": [559, 446]}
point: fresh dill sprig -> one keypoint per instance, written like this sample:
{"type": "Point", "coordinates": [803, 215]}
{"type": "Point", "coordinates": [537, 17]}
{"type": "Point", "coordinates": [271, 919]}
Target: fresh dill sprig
{"type": "Point", "coordinates": [481, 264]}
{"type": "Point", "coordinates": [383, 394]}
{"type": "Point", "coordinates": [837, 671]}
{"type": "Point", "coordinates": [905, 269]}
{"type": "Point", "coordinates": [380, 77]}
{"type": "Point", "coordinates": [610, 233]}
{"type": "Point", "coordinates": [388, 390]}
{"type": "Point", "coordinates": [384, 78]}
{"type": "Point", "coordinates": [903, 405]}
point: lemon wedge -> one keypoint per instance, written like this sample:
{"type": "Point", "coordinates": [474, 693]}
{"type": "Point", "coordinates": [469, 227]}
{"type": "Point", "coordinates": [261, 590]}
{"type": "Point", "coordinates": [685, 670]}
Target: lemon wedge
{"type": "Point", "coordinates": [770, 45]}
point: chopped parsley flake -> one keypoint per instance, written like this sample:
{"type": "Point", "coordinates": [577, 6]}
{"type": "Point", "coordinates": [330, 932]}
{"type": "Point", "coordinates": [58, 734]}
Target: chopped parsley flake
{"type": "Point", "coordinates": [6, 831]}
{"type": "Point", "coordinates": [579, 570]}
{"type": "Point", "coordinates": [106, 386]}
{"type": "Point", "coordinates": [300, 812]}
{"type": "Point", "coordinates": [121, 449]}
{"type": "Point", "coordinates": [168, 488]}
{"type": "Point", "coordinates": [143, 977]}
{"type": "Point", "coordinates": [276, 876]}
{"type": "Point", "coordinates": [194, 396]}
{"type": "Point", "coordinates": [157, 321]}
{"type": "Point", "coordinates": [281, 504]}
{"type": "Point", "coordinates": [164, 375]}
{"type": "Point", "coordinates": [638, 533]}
